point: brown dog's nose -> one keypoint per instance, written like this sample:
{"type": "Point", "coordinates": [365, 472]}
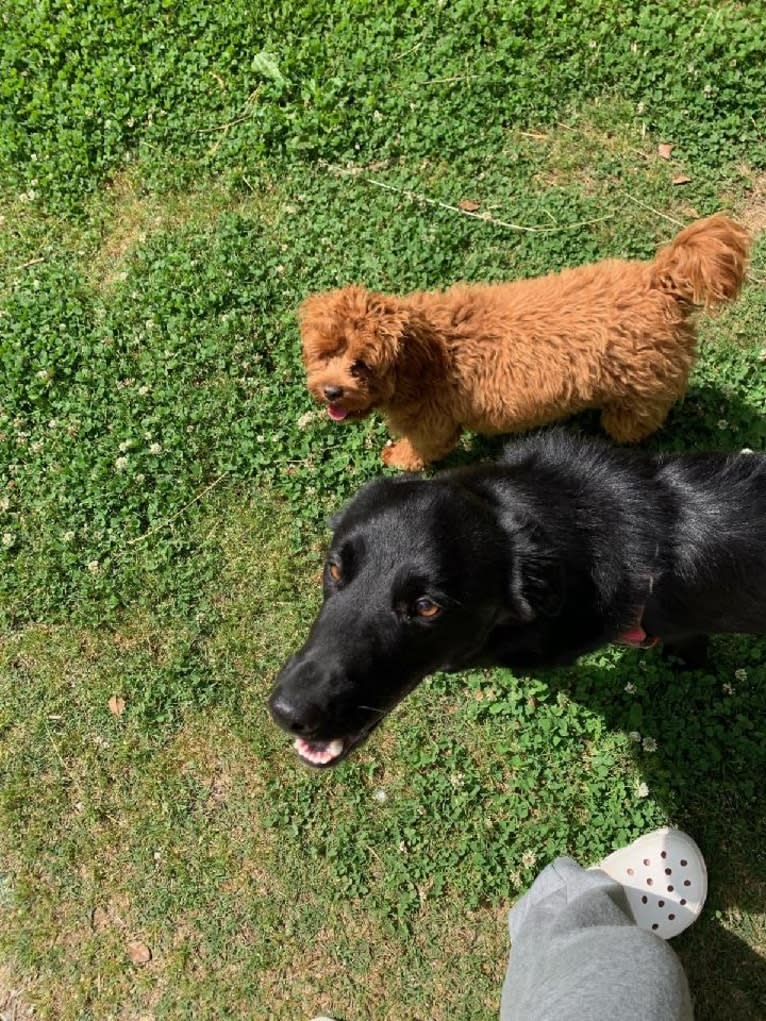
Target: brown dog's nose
{"type": "Point", "coordinates": [333, 393]}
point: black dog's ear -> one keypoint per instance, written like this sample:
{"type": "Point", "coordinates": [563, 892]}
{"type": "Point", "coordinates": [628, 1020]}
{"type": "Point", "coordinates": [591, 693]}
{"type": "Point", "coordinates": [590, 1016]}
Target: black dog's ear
{"type": "Point", "coordinates": [537, 577]}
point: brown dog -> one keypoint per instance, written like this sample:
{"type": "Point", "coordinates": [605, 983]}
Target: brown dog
{"type": "Point", "coordinates": [494, 358]}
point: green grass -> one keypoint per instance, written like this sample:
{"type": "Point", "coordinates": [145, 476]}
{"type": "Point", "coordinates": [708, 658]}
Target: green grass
{"type": "Point", "coordinates": [176, 178]}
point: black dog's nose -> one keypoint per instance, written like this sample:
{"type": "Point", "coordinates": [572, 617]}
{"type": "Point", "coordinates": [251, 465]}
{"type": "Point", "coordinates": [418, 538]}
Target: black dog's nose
{"type": "Point", "coordinates": [333, 393]}
{"type": "Point", "coordinates": [299, 718]}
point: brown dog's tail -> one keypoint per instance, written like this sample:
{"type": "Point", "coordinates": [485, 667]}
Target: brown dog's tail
{"type": "Point", "coordinates": [705, 264]}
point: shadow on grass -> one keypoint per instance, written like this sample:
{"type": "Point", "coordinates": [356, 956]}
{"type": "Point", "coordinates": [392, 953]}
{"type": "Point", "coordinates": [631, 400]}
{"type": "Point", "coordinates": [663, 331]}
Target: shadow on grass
{"type": "Point", "coordinates": [707, 772]}
{"type": "Point", "coordinates": [709, 418]}
{"type": "Point", "coordinates": [726, 976]}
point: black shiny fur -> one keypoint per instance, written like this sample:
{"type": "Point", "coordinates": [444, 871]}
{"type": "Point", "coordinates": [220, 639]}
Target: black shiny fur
{"type": "Point", "coordinates": [558, 549]}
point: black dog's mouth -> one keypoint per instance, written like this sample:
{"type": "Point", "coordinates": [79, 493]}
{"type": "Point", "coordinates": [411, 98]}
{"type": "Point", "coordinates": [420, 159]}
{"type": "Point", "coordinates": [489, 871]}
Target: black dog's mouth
{"type": "Point", "coordinates": [324, 754]}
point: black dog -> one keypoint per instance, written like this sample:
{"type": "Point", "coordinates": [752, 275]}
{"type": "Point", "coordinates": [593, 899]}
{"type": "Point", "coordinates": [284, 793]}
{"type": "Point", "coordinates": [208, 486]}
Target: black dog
{"type": "Point", "coordinates": [565, 545]}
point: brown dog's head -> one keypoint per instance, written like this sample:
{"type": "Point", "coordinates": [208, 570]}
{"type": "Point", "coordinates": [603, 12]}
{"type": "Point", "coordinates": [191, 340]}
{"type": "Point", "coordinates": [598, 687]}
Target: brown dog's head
{"type": "Point", "coordinates": [351, 339]}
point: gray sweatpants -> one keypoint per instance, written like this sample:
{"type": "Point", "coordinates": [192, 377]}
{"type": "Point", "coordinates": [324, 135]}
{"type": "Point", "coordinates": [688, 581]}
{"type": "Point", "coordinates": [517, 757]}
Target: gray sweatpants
{"type": "Point", "coordinates": [577, 955]}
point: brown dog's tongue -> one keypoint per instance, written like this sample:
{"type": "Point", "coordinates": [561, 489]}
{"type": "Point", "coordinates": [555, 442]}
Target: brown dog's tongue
{"type": "Point", "coordinates": [336, 413]}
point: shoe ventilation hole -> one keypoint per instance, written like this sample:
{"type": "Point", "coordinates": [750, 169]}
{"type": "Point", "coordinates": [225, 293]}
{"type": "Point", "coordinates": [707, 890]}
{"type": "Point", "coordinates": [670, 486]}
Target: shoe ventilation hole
{"type": "Point", "coordinates": [687, 882]}
{"type": "Point", "coordinates": [671, 918]}
{"type": "Point", "coordinates": [655, 926]}
{"type": "Point", "coordinates": [644, 899]}
{"type": "Point", "coordinates": [668, 872]}
{"type": "Point", "coordinates": [661, 903]}
{"type": "Point", "coordinates": [684, 861]}
{"type": "Point", "coordinates": [670, 889]}
{"type": "Point", "coordinates": [650, 881]}
{"type": "Point", "coordinates": [663, 854]}
{"type": "Point", "coordinates": [647, 862]}
{"type": "Point", "coordinates": [683, 901]}
{"type": "Point", "coordinates": [630, 872]}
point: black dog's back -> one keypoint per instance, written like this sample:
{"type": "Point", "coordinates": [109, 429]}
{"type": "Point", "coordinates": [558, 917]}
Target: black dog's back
{"type": "Point", "coordinates": [675, 543]}
{"type": "Point", "coordinates": [714, 571]}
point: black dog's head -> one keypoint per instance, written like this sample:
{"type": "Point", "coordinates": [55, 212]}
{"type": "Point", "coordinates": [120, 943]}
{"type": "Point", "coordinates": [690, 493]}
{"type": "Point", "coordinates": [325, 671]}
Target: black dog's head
{"type": "Point", "coordinates": [418, 576]}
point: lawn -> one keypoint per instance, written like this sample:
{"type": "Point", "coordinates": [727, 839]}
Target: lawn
{"type": "Point", "coordinates": [174, 179]}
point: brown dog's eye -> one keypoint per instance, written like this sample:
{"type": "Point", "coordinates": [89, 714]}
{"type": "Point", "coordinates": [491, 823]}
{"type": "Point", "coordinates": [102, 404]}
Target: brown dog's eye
{"type": "Point", "coordinates": [334, 571]}
{"type": "Point", "coordinates": [426, 607]}
{"type": "Point", "coordinates": [359, 368]}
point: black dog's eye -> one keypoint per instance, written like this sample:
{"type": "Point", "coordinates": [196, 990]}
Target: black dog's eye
{"type": "Point", "coordinates": [359, 368]}
{"type": "Point", "coordinates": [425, 607]}
{"type": "Point", "coordinates": [334, 570]}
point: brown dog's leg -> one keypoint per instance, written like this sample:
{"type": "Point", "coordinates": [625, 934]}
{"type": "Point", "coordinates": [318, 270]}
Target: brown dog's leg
{"type": "Point", "coordinates": [413, 453]}
{"type": "Point", "coordinates": [631, 423]}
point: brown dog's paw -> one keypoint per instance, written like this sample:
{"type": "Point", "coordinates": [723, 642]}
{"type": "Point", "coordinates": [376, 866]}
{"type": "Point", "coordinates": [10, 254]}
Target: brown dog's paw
{"type": "Point", "coordinates": [401, 455]}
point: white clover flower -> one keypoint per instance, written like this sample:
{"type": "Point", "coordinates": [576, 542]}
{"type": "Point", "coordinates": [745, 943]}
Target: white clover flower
{"type": "Point", "coordinates": [722, 423]}
{"type": "Point", "coordinates": [68, 536]}
{"type": "Point", "coordinates": [5, 503]}
{"type": "Point", "coordinates": [44, 374]}
{"type": "Point", "coordinates": [8, 539]}
{"type": "Point", "coordinates": [642, 790]}
{"type": "Point", "coordinates": [630, 687]}
{"type": "Point", "coordinates": [305, 420]}
{"type": "Point", "coordinates": [529, 859]}
{"type": "Point", "coordinates": [143, 390]}
{"type": "Point", "coordinates": [379, 795]}
{"type": "Point", "coordinates": [53, 424]}
{"type": "Point", "coordinates": [126, 445]}
{"type": "Point", "coordinates": [121, 463]}
{"type": "Point", "coordinates": [741, 674]}
{"type": "Point", "coordinates": [746, 450]}
{"type": "Point", "coordinates": [37, 446]}
{"type": "Point", "coordinates": [650, 745]}
{"type": "Point", "coordinates": [635, 736]}
{"type": "Point", "coordinates": [457, 779]}
{"type": "Point", "coordinates": [155, 448]}
{"type": "Point", "coordinates": [93, 566]}
{"type": "Point", "coordinates": [728, 689]}
{"type": "Point", "coordinates": [140, 478]}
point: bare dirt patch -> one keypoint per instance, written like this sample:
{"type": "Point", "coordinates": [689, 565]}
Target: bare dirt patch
{"type": "Point", "coordinates": [751, 211]}
{"type": "Point", "coordinates": [12, 1004]}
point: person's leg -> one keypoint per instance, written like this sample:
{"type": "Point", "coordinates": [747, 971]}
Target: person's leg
{"type": "Point", "coordinates": [578, 955]}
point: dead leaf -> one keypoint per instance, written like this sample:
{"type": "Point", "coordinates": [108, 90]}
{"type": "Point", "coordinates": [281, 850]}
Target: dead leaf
{"type": "Point", "coordinates": [139, 953]}
{"type": "Point", "coordinates": [681, 179]}
{"type": "Point", "coordinates": [468, 205]}
{"type": "Point", "coordinates": [116, 705]}
{"type": "Point", "coordinates": [664, 149]}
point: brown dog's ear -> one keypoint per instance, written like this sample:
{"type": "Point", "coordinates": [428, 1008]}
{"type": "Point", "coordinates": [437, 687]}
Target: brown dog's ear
{"type": "Point", "coordinates": [381, 331]}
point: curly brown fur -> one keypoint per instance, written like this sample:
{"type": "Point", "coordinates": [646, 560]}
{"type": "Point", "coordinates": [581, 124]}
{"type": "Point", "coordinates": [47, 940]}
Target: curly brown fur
{"type": "Point", "coordinates": [493, 358]}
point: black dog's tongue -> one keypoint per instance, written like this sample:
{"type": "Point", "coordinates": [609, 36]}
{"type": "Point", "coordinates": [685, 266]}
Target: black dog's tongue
{"type": "Point", "coordinates": [318, 753]}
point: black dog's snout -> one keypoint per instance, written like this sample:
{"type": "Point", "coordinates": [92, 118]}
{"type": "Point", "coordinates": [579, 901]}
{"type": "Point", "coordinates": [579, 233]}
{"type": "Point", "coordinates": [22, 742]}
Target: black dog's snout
{"type": "Point", "coordinates": [333, 393]}
{"type": "Point", "coordinates": [293, 715]}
